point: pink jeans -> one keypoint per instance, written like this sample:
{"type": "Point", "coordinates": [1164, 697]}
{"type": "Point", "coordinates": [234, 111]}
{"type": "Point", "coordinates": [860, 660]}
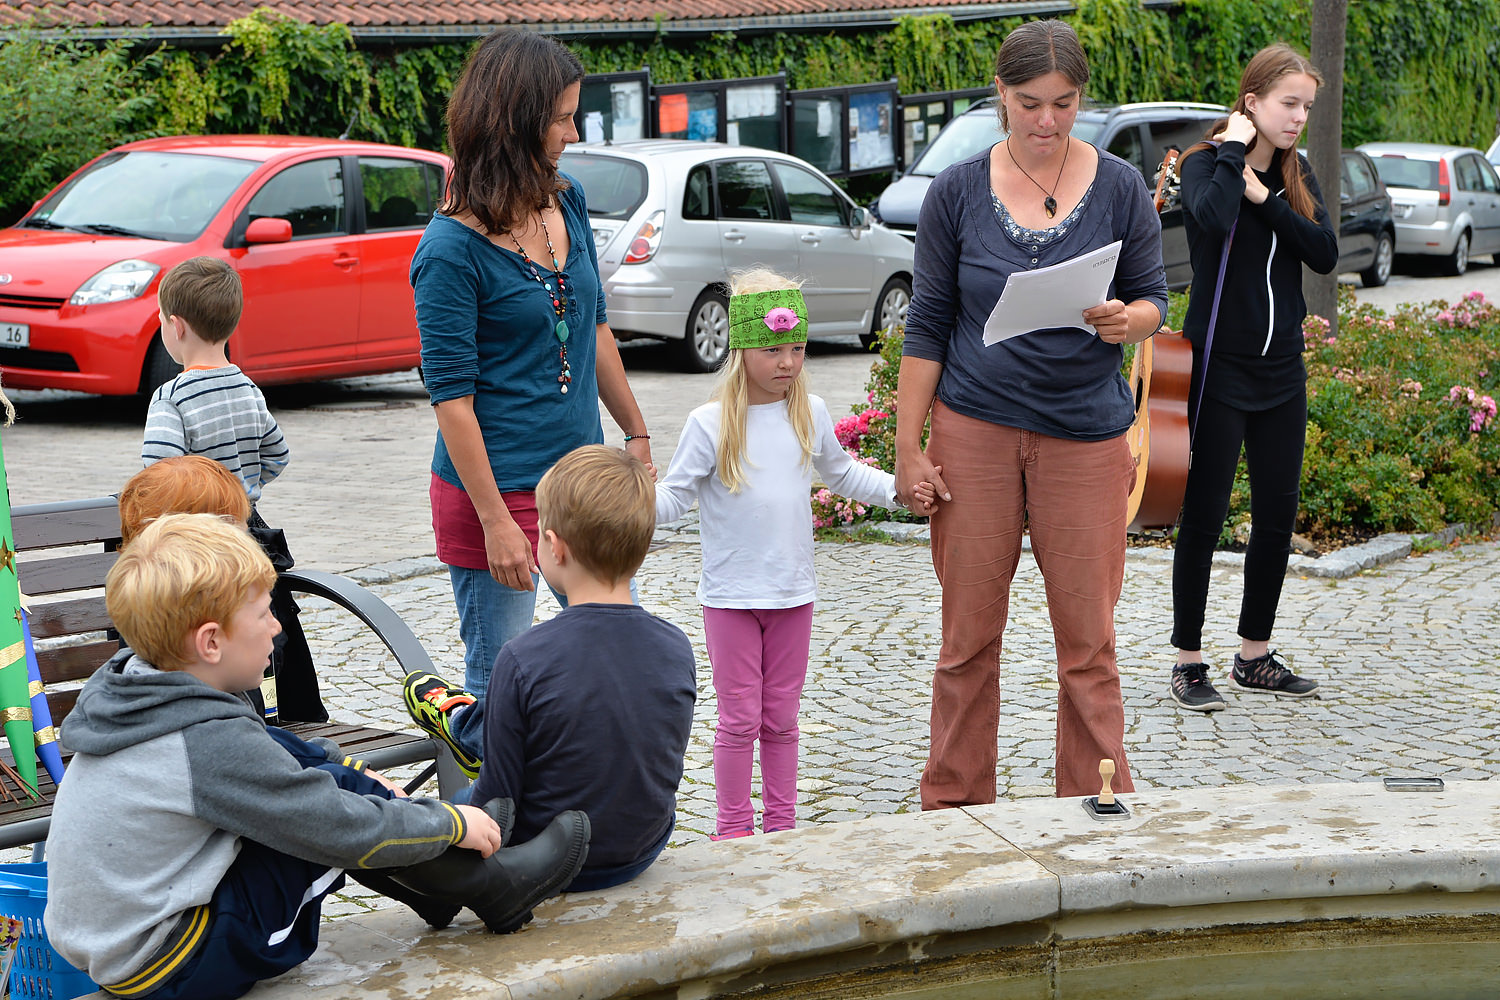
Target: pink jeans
{"type": "Point", "coordinates": [1073, 495]}
{"type": "Point", "coordinates": [759, 661]}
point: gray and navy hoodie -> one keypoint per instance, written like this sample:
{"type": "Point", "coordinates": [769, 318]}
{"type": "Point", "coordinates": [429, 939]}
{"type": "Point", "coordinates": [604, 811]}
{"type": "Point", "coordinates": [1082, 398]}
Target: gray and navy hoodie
{"type": "Point", "coordinates": [1261, 309]}
{"type": "Point", "coordinates": [168, 775]}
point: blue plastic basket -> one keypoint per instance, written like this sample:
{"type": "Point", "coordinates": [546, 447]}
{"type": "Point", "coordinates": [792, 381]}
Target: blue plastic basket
{"type": "Point", "coordinates": [38, 971]}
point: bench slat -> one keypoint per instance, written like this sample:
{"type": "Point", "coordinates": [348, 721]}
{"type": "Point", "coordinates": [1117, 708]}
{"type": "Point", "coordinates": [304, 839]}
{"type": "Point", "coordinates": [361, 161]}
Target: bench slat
{"type": "Point", "coordinates": [74, 663]}
{"type": "Point", "coordinates": [72, 617]}
{"type": "Point", "coordinates": [63, 573]}
{"type": "Point", "coordinates": [71, 522]}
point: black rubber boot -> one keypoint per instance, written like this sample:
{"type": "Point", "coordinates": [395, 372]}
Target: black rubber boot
{"type": "Point", "coordinates": [503, 887]}
{"type": "Point", "coordinates": [438, 913]}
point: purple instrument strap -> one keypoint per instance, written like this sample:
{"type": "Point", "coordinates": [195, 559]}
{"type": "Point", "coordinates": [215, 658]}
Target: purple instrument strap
{"type": "Point", "coordinates": [1208, 341]}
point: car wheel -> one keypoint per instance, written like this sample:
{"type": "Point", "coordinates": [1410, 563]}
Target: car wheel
{"type": "Point", "coordinates": [890, 310]}
{"type": "Point", "coordinates": [705, 342]}
{"type": "Point", "coordinates": [1379, 271]}
{"type": "Point", "coordinates": [159, 369]}
{"type": "Point", "coordinates": [1457, 262]}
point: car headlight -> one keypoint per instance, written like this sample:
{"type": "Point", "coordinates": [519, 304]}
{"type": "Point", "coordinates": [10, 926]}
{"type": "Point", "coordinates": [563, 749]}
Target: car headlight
{"type": "Point", "coordinates": [117, 282]}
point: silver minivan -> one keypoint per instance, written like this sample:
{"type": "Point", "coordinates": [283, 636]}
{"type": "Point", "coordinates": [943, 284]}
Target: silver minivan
{"type": "Point", "coordinates": [673, 217]}
{"type": "Point", "coordinates": [1445, 199]}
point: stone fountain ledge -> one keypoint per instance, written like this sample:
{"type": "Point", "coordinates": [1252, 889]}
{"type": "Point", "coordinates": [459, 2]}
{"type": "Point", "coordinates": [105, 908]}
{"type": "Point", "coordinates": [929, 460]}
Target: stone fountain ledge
{"type": "Point", "coordinates": [890, 891]}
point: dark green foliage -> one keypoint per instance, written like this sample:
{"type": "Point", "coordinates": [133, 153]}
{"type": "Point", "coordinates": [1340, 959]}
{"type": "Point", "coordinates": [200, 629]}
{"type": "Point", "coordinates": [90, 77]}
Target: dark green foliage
{"type": "Point", "coordinates": [1415, 72]}
{"type": "Point", "coordinates": [63, 102]}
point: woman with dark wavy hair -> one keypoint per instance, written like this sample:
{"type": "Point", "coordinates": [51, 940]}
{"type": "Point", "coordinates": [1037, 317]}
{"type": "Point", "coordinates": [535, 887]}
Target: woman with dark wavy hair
{"type": "Point", "coordinates": [1254, 216]}
{"type": "Point", "coordinates": [516, 350]}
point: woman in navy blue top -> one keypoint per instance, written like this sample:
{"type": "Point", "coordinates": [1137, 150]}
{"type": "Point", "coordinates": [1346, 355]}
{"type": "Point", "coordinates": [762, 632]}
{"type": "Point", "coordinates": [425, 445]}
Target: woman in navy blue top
{"type": "Point", "coordinates": [517, 352]}
{"type": "Point", "coordinates": [1028, 432]}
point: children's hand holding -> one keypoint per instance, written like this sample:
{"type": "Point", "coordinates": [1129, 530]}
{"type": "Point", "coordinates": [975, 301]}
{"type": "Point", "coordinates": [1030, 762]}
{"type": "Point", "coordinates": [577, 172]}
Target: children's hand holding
{"type": "Point", "coordinates": [921, 497]}
{"type": "Point", "coordinates": [482, 833]}
{"type": "Point", "coordinates": [396, 789]}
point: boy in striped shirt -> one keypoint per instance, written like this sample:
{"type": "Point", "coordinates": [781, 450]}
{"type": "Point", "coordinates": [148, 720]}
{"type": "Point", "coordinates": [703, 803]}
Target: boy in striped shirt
{"type": "Point", "coordinates": [212, 408]}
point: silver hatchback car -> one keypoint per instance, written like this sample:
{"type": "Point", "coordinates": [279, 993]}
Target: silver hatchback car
{"type": "Point", "coordinates": [1445, 199]}
{"type": "Point", "coordinates": [673, 217]}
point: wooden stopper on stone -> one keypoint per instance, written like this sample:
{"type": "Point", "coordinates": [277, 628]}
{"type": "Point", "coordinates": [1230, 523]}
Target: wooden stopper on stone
{"type": "Point", "coordinates": [1106, 776]}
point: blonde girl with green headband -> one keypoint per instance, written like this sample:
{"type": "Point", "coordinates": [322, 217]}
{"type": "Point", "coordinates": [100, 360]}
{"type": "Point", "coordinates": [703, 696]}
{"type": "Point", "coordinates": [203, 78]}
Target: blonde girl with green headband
{"type": "Point", "coordinates": [748, 457]}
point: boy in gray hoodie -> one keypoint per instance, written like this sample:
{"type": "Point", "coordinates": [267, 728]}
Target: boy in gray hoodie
{"type": "Point", "coordinates": [190, 850]}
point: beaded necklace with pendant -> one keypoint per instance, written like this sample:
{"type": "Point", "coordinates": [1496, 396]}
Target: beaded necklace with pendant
{"type": "Point", "coordinates": [559, 302]}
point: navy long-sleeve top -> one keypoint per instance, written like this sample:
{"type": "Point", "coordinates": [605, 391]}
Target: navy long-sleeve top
{"type": "Point", "coordinates": [1062, 382]}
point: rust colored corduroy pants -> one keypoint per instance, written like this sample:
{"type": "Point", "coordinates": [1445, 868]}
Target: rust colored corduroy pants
{"type": "Point", "coordinates": [1073, 495]}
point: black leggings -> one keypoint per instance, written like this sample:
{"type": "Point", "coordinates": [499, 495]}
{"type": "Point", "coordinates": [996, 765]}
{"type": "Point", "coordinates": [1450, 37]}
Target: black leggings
{"type": "Point", "coordinates": [1273, 440]}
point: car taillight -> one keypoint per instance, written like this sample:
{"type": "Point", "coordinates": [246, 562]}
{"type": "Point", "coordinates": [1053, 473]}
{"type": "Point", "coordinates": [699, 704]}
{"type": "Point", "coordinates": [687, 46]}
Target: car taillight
{"type": "Point", "coordinates": [644, 243]}
{"type": "Point", "coordinates": [1444, 196]}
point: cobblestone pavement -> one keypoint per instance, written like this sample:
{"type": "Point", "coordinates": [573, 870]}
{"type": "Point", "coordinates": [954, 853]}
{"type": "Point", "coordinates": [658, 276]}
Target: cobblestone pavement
{"type": "Point", "coordinates": [1402, 653]}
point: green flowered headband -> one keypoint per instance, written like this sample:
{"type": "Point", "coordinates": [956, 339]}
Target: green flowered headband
{"type": "Point", "coordinates": [766, 319]}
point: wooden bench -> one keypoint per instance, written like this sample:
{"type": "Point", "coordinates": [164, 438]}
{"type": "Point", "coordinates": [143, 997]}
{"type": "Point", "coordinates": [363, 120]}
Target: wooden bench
{"type": "Point", "coordinates": [65, 589]}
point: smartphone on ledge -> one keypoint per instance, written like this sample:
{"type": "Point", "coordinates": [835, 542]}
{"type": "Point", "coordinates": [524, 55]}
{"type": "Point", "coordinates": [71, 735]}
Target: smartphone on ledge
{"type": "Point", "coordinates": [1413, 784]}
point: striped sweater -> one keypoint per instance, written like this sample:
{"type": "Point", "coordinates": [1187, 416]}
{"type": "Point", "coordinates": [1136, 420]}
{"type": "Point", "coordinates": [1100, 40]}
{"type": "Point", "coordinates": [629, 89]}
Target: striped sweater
{"type": "Point", "coordinates": [220, 414]}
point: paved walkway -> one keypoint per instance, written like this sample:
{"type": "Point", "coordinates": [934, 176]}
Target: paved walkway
{"type": "Point", "coordinates": [1403, 653]}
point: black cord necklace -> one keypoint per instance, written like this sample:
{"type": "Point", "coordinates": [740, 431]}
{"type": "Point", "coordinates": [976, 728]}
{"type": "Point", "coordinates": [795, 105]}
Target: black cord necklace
{"type": "Point", "coordinates": [1049, 202]}
{"type": "Point", "coordinates": [559, 302]}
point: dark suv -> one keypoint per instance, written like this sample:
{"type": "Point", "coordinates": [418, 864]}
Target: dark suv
{"type": "Point", "coordinates": [1137, 133]}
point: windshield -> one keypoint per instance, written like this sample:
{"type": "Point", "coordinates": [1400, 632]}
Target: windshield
{"type": "Point", "coordinates": [612, 186]}
{"type": "Point", "coordinates": [969, 134]}
{"type": "Point", "coordinates": [160, 196]}
{"type": "Point", "coordinates": [1399, 171]}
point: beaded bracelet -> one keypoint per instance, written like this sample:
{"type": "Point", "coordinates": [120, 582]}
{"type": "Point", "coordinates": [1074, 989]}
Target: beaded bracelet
{"type": "Point", "coordinates": [631, 437]}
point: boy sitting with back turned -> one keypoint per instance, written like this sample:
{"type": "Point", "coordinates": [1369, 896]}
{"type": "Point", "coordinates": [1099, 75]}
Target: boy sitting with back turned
{"type": "Point", "coordinates": [189, 850]}
{"type": "Point", "coordinates": [591, 709]}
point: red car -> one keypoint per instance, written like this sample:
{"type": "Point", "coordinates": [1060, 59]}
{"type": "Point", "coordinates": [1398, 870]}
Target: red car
{"type": "Point", "coordinates": [321, 232]}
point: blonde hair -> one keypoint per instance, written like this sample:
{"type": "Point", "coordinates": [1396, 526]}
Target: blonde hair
{"type": "Point", "coordinates": [182, 484]}
{"type": "Point", "coordinates": [181, 571]}
{"type": "Point", "coordinates": [732, 390]}
{"type": "Point", "coordinates": [600, 501]}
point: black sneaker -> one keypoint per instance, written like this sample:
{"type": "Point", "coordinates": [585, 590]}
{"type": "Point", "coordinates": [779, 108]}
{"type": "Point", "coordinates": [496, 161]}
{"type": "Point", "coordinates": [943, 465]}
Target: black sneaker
{"type": "Point", "coordinates": [1191, 689]}
{"type": "Point", "coordinates": [1268, 675]}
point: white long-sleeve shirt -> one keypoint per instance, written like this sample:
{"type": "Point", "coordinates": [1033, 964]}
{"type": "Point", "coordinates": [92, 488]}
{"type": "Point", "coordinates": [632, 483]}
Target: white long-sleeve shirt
{"type": "Point", "coordinates": [758, 543]}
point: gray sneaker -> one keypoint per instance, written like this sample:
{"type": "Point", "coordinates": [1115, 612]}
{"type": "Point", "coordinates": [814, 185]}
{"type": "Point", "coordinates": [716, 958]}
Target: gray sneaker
{"type": "Point", "coordinates": [1191, 689]}
{"type": "Point", "coordinates": [1268, 675]}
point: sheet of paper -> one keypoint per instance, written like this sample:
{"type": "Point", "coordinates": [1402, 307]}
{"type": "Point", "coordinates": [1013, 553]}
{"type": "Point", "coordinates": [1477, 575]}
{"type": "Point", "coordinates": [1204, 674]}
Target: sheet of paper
{"type": "Point", "coordinates": [1052, 297]}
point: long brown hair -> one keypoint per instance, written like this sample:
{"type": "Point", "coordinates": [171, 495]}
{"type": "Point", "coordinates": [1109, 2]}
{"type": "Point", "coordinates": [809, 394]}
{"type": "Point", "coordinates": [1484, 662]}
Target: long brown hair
{"type": "Point", "coordinates": [1036, 49]}
{"type": "Point", "coordinates": [498, 117]}
{"type": "Point", "coordinates": [1264, 70]}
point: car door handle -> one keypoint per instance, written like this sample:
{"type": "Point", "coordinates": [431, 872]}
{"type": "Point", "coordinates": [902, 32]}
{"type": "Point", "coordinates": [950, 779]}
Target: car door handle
{"type": "Point", "coordinates": [345, 261]}
{"type": "Point", "coordinates": [812, 238]}
{"type": "Point", "coordinates": [735, 236]}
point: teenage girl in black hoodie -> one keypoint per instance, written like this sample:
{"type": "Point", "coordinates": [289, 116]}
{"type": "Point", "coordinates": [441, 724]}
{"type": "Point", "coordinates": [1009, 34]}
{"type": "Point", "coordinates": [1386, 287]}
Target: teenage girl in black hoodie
{"type": "Point", "coordinates": [1254, 392]}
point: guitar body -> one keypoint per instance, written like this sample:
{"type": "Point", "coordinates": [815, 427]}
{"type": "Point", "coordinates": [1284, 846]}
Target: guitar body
{"type": "Point", "coordinates": [1160, 378]}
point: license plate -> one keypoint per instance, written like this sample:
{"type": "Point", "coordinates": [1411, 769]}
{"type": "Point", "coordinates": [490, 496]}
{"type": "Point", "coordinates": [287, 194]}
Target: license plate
{"type": "Point", "coordinates": [1401, 211]}
{"type": "Point", "coordinates": [15, 335]}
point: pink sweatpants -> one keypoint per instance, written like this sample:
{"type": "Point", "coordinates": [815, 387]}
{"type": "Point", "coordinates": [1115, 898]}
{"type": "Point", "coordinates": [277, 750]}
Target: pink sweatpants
{"type": "Point", "coordinates": [759, 661]}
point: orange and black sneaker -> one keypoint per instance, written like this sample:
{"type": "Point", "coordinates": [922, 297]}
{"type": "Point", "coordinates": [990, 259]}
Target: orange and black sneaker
{"type": "Point", "coordinates": [431, 700]}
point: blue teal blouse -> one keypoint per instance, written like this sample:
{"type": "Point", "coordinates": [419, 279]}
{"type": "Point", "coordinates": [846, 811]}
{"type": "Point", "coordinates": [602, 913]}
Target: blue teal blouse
{"type": "Point", "coordinates": [487, 328]}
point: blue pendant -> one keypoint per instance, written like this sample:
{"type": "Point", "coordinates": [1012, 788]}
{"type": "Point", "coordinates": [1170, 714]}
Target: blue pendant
{"type": "Point", "coordinates": [562, 331]}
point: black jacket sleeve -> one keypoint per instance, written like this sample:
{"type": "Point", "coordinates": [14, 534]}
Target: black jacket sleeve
{"type": "Point", "coordinates": [1213, 184]}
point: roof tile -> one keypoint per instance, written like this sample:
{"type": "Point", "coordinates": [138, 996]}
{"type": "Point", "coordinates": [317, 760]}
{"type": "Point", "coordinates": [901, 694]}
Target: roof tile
{"type": "Point", "coordinates": [366, 14]}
